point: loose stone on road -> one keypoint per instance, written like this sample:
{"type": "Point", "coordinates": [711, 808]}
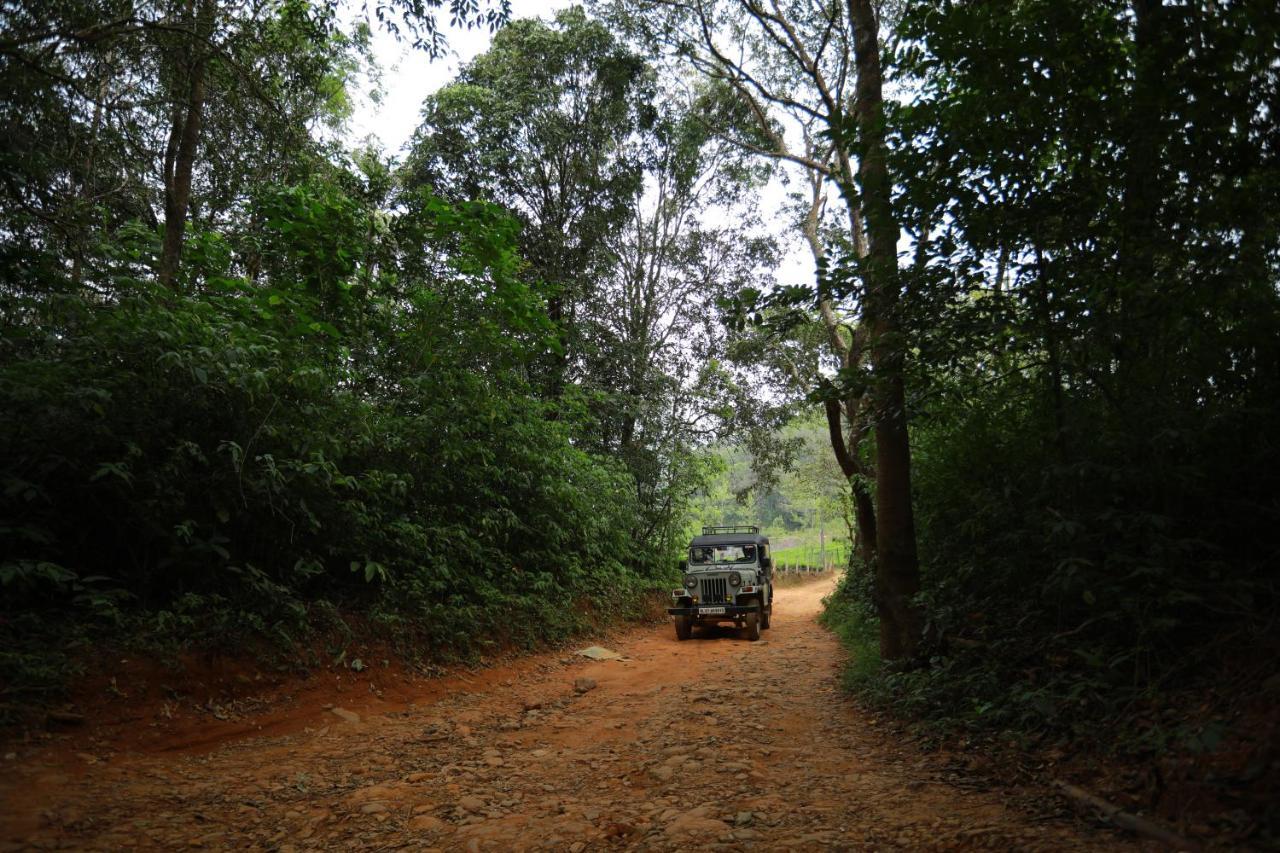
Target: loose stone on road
{"type": "Point", "coordinates": [715, 743]}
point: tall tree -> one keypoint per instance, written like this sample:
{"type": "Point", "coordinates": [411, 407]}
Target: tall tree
{"type": "Point", "coordinates": [809, 80]}
{"type": "Point", "coordinates": [897, 564]}
{"type": "Point", "coordinates": [657, 348]}
{"type": "Point", "coordinates": [123, 111]}
{"type": "Point", "coordinates": [189, 67]}
{"type": "Point", "coordinates": [541, 123]}
{"type": "Point", "coordinates": [622, 195]}
{"type": "Point", "coordinates": [1096, 312]}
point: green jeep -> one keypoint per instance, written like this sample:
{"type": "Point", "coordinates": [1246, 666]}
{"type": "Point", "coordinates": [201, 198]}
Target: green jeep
{"type": "Point", "coordinates": [728, 578]}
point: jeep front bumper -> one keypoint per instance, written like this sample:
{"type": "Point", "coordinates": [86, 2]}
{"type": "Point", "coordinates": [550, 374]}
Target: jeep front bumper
{"type": "Point", "coordinates": [714, 611]}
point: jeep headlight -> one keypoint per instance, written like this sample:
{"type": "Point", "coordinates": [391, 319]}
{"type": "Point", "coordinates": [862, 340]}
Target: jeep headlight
{"type": "Point", "coordinates": [690, 582]}
{"type": "Point", "coordinates": [735, 579]}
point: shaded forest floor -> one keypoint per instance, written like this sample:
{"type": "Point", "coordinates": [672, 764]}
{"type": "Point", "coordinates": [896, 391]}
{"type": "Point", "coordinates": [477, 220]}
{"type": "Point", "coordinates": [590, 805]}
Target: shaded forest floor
{"type": "Point", "coordinates": [715, 743]}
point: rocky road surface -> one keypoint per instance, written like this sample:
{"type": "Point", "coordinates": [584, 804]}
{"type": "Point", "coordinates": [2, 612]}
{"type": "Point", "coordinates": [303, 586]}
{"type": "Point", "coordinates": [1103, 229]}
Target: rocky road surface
{"type": "Point", "coordinates": [716, 743]}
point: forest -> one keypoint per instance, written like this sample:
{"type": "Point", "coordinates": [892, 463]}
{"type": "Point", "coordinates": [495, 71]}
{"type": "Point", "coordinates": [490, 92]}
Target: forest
{"type": "Point", "coordinates": [263, 385]}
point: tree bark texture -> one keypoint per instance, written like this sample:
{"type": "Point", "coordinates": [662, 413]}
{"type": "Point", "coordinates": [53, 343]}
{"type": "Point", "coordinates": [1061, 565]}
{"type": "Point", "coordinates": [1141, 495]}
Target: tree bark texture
{"type": "Point", "coordinates": [850, 353]}
{"type": "Point", "coordinates": [897, 569]}
{"type": "Point", "coordinates": [864, 509]}
{"type": "Point", "coordinates": [184, 139]}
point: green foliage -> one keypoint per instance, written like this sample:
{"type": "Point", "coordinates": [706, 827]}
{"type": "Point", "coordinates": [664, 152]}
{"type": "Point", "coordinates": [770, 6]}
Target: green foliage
{"type": "Point", "coordinates": [1062, 592]}
{"type": "Point", "coordinates": [217, 465]}
{"type": "Point", "coordinates": [848, 613]}
{"type": "Point", "coordinates": [427, 398]}
{"type": "Point", "coordinates": [791, 487]}
{"type": "Point", "coordinates": [539, 123]}
{"type": "Point", "coordinates": [622, 196]}
{"type": "Point", "coordinates": [1094, 312]}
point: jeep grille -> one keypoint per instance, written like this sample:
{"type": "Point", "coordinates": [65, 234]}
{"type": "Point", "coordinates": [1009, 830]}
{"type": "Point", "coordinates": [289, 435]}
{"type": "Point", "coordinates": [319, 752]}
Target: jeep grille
{"type": "Point", "coordinates": [714, 589]}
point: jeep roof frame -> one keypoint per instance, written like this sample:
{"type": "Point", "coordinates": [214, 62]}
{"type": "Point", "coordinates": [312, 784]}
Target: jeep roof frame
{"type": "Point", "coordinates": [745, 534]}
{"type": "Point", "coordinates": [729, 528]}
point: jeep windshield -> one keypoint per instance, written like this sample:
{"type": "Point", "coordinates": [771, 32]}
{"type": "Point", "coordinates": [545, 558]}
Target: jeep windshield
{"type": "Point", "coordinates": [710, 555]}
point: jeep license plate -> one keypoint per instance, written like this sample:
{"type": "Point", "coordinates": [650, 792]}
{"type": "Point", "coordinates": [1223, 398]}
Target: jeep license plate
{"type": "Point", "coordinates": [711, 611]}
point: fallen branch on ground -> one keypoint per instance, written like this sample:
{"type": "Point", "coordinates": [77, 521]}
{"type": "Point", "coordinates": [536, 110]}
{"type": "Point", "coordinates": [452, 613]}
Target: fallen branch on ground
{"type": "Point", "coordinates": [1118, 817]}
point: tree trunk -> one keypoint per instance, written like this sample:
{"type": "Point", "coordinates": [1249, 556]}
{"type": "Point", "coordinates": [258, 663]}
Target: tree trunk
{"type": "Point", "coordinates": [850, 354]}
{"type": "Point", "coordinates": [864, 510]}
{"type": "Point", "coordinates": [184, 138]}
{"type": "Point", "coordinates": [1053, 353]}
{"type": "Point", "coordinates": [1135, 346]}
{"type": "Point", "coordinates": [897, 569]}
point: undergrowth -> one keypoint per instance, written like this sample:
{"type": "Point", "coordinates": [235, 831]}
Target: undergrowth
{"type": "Point", "coordinates": [232, 466]}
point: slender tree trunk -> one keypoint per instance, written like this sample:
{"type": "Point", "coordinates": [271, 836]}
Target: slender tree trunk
{"type": "Point", "coordinates": [1053, 352]}
{"type": "Point", "coordinates": [850, 354]}
{"type": "Point", "coordinates": [897, 569]}
{"type": "Point", "coordinates": [864, 510]}
{"type": "Point", "coordinates": [180, 153]}
{"type": "Point", "coordinates": [1136, 345]}
{"type": "Point", "coordinates": [88, 184]}
{"type": "Point", "coordinates": [1002, 266]}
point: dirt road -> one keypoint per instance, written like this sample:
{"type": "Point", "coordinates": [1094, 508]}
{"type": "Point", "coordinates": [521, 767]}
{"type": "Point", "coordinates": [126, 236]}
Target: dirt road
{"type": "Point", "coordinates": [714, 743]}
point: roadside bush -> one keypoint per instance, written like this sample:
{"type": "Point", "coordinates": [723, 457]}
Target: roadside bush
{"type": "Point", "coordinates": [1069, 584]}
{"type": "Point", "coordinates": [233, 460]}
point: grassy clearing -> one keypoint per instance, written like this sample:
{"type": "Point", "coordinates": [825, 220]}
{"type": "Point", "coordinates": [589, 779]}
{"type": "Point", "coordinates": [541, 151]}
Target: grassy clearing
{"type": "Point", "coordinates": [805, 547]}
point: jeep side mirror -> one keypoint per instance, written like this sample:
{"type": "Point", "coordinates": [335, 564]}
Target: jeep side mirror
{"type": "Point", "coordinates": [766, 562]}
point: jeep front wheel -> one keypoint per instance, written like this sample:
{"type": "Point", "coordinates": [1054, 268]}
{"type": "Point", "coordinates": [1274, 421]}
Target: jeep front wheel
{"type": "Point", "coordinates": [766, 616]}
{"type": "Point", "coordinates": [753, 624]}
{"type": "Point", "coordinates": [684, 627]}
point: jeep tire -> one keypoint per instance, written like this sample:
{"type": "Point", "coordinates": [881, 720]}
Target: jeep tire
{"type": "Point", "coordinates": [752, 622]}
{"type": "Point", "coordinates": [766, 616]}
{"type": "Point", "coordinates": [684, 627]}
